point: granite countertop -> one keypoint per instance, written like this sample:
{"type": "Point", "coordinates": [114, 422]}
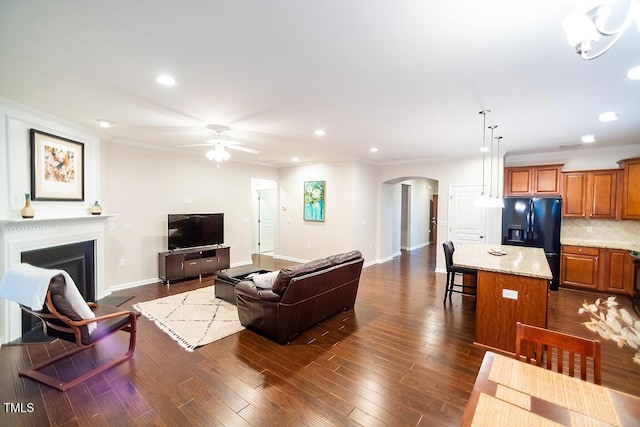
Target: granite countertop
{"type": "Point", "coordinates": [517, 260]}
{"type": "Point", "coordinates": [628, 246]}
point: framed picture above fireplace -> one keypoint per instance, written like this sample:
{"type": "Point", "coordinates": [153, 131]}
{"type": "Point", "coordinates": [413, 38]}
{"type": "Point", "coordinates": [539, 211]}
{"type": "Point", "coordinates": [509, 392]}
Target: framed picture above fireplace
{"type": "Point", "coordinates": [57, 167]}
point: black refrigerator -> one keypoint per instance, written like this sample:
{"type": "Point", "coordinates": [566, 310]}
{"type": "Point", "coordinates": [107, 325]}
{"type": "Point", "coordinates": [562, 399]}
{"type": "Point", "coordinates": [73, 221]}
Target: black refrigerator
{"type": "Point", "coordinates": [534, 222]}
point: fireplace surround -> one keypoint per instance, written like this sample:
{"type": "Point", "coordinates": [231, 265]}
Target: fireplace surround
{"type": "Point", "coordinates": [18, 237]}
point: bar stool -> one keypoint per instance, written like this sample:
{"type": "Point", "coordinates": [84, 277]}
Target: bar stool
{"type": "Point", "coordinates": [452, 270]}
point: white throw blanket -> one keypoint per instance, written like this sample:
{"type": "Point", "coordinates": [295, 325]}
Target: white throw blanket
{"type": "Point", "coordinates": [28, 285]}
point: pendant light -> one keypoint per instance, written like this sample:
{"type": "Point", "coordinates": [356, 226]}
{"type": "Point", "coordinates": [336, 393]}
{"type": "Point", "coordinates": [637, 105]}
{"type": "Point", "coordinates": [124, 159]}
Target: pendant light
{"type": "Point", "coordinates": [499, 201]}
{"type": "Point", "coordinates": [492, 127]}
{"type": "Point", "coordinates": [483, 200]}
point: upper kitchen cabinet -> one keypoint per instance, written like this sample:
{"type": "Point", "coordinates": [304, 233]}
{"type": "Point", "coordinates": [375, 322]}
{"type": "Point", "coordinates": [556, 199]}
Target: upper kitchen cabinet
{"type": "Point", "coordinates": [589, 194]}
{"type": "Point", "coordinates": [533, 180]}
{"type": "Point", "coordinates": [631, 188]}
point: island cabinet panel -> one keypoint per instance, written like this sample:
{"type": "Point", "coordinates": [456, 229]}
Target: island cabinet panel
{"type": "Point", "coordinates": [505, 299]}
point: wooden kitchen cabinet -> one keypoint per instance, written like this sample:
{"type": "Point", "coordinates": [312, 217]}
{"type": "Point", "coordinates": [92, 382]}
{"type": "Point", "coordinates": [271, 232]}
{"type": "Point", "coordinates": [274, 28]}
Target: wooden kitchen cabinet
{"type": "Point", "coordinates": [619, 268]}
{"type": "Point", "coordinates": [580, 267]}
{"type": "Point", "coordinates": [597, 269]}
{"type": "Point", "coordinates": [533, 180]}
{"type": "Point", "coordinates": [590, 194]}
{"type": "Point", "coordinates": [630, 188]}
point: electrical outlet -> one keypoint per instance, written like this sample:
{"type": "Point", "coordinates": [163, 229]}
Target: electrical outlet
{"type": "Point", "coordinates": [510, 294]}
{"type": "Point", "coordinates": [589, 229]}
{"type": "Point", "coordinates": [127, 226]}
{"type": "Point", "coordinates": [121, 262]}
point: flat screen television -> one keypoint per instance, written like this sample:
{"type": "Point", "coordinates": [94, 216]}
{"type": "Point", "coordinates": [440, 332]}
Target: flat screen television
{"type": "Point", "coordinates": [193, 230]}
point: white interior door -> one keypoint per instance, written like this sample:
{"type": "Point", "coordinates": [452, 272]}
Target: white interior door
{"type": "Point", "coordinates": [466, 221]}
{"type": "Point", "coordinates": [266, 220]}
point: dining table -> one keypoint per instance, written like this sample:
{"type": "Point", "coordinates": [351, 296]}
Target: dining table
{"type": "Point", "coordinates": [510, 392]}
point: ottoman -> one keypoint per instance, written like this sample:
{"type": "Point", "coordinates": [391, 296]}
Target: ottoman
{"type": "Point", "coordinates": [225, 282]}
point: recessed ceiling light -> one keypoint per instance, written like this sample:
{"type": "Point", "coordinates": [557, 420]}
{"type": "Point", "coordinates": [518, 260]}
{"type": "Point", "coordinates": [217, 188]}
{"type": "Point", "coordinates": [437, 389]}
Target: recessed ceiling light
{"type": "Point", "coordinates": [294, 159]}
{"type": "Point", "coordinates": [373, 149]}
{"type": "Point", "coordinates": [166, 80]}
{"type": "Point", "coordinates": [588, 138]}
{"type": "Point", "coordinates": [104, 123]}
{"type": "Point", "coordinates": [609, 116]}
{"type": "Point", "coordinates": [634, 73]}
{"type": "Point", "coordinates": [319, 132]}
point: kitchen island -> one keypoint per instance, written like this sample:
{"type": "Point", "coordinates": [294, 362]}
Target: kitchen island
{"type": "Point", "coordinates": [512, 286]}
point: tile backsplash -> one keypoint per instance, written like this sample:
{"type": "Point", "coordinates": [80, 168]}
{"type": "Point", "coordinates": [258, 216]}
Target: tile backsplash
{"type": "Point", "coordinates": [600, 230]}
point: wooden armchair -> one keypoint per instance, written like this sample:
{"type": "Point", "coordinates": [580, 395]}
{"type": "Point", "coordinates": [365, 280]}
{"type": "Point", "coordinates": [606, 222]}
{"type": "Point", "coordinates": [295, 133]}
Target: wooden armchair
{"type": "Point", "coordinates": [536, 345]}
{"type": "Point", "coordinates": [61, 321]}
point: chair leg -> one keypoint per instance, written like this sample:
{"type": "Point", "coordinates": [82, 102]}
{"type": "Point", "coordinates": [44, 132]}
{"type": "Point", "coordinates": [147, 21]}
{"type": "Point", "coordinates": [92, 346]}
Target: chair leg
{"type": "Point", "coordinates": [446, 288]}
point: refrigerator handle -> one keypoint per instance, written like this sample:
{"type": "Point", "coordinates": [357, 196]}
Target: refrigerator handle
{"type": "Point", "coordinates": [528, 219]}
{"type": "Point", "coordinates": [532, 219]}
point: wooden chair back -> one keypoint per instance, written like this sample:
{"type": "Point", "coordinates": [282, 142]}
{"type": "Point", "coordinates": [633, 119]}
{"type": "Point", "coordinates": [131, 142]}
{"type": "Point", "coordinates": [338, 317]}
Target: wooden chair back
{"type": "Point", "coordinates": [552, 350]}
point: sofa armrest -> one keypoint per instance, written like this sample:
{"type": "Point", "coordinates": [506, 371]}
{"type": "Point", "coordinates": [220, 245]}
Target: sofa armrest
{"type": "Point", "coordinates": [249, 289]}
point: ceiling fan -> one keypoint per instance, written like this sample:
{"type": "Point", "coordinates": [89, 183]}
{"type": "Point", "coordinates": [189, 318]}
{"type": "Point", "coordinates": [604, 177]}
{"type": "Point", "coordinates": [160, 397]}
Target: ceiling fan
{"type": "Point", "coordinates": [218, 144]}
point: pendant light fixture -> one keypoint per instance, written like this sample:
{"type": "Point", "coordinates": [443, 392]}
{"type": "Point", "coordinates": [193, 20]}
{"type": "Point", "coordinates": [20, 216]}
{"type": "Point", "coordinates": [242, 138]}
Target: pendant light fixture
{"type": "Point", "coordinates": [492, 127]}
{"type": "Point", "coordinates": [499, 201]}
{"type": "Point", "coordinates": [483, 200]}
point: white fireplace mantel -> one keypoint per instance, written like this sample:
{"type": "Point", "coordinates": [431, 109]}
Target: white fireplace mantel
{"type": "Point", "coordinates": [22, 235]}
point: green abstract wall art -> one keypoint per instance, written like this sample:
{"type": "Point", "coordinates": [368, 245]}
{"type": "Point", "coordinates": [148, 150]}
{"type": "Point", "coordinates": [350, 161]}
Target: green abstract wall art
{"type": "Point", "coordinates": [314, 200]}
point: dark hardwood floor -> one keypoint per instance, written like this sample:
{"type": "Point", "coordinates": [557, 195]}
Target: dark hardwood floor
{"type": "Point", "coordinates": [399, 358]}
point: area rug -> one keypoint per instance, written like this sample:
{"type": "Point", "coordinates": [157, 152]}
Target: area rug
{"type": "Point", "coordinates": [193, 318]}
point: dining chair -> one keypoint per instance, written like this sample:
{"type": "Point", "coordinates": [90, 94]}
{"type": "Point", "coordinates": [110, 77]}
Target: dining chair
{"type": "Point", "coordinates": [552, 350]}
{"type": "Point", "coordinates": [452, 271]}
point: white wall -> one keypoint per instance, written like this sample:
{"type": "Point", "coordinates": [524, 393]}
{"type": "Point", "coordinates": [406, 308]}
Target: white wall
{"type": "Point", "coordinates": [351, 216]}
{"type": "Point", "coordinates": [144, 185]}
{"type": "Point", "coordinates": [364, 202]}
{"type": "Point", "coordinates": [389, 224]}
{"type": "Point", "coordinates": [453, 172]}
{"type": "Point", "coordinates": [15, 122]}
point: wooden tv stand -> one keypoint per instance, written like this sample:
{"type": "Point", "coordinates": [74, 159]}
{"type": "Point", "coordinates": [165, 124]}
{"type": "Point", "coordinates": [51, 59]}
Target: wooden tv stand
{"type": "Point", "coordinates": [194, 262]}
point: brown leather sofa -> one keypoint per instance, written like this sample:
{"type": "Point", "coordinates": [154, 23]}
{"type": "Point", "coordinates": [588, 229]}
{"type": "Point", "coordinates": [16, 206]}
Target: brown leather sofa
{"type": "Point", "coordinates": [301, 296]}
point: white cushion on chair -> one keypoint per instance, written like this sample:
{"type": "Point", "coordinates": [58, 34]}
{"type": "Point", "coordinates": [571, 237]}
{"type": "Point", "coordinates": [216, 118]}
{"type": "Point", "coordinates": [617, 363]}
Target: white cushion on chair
{"type": "Point", "coordinates": [28, 285]}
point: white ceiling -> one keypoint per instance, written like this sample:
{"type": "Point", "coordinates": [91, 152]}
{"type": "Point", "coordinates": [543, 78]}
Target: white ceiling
{"type": "Point", "coordinates": [408, 77]}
